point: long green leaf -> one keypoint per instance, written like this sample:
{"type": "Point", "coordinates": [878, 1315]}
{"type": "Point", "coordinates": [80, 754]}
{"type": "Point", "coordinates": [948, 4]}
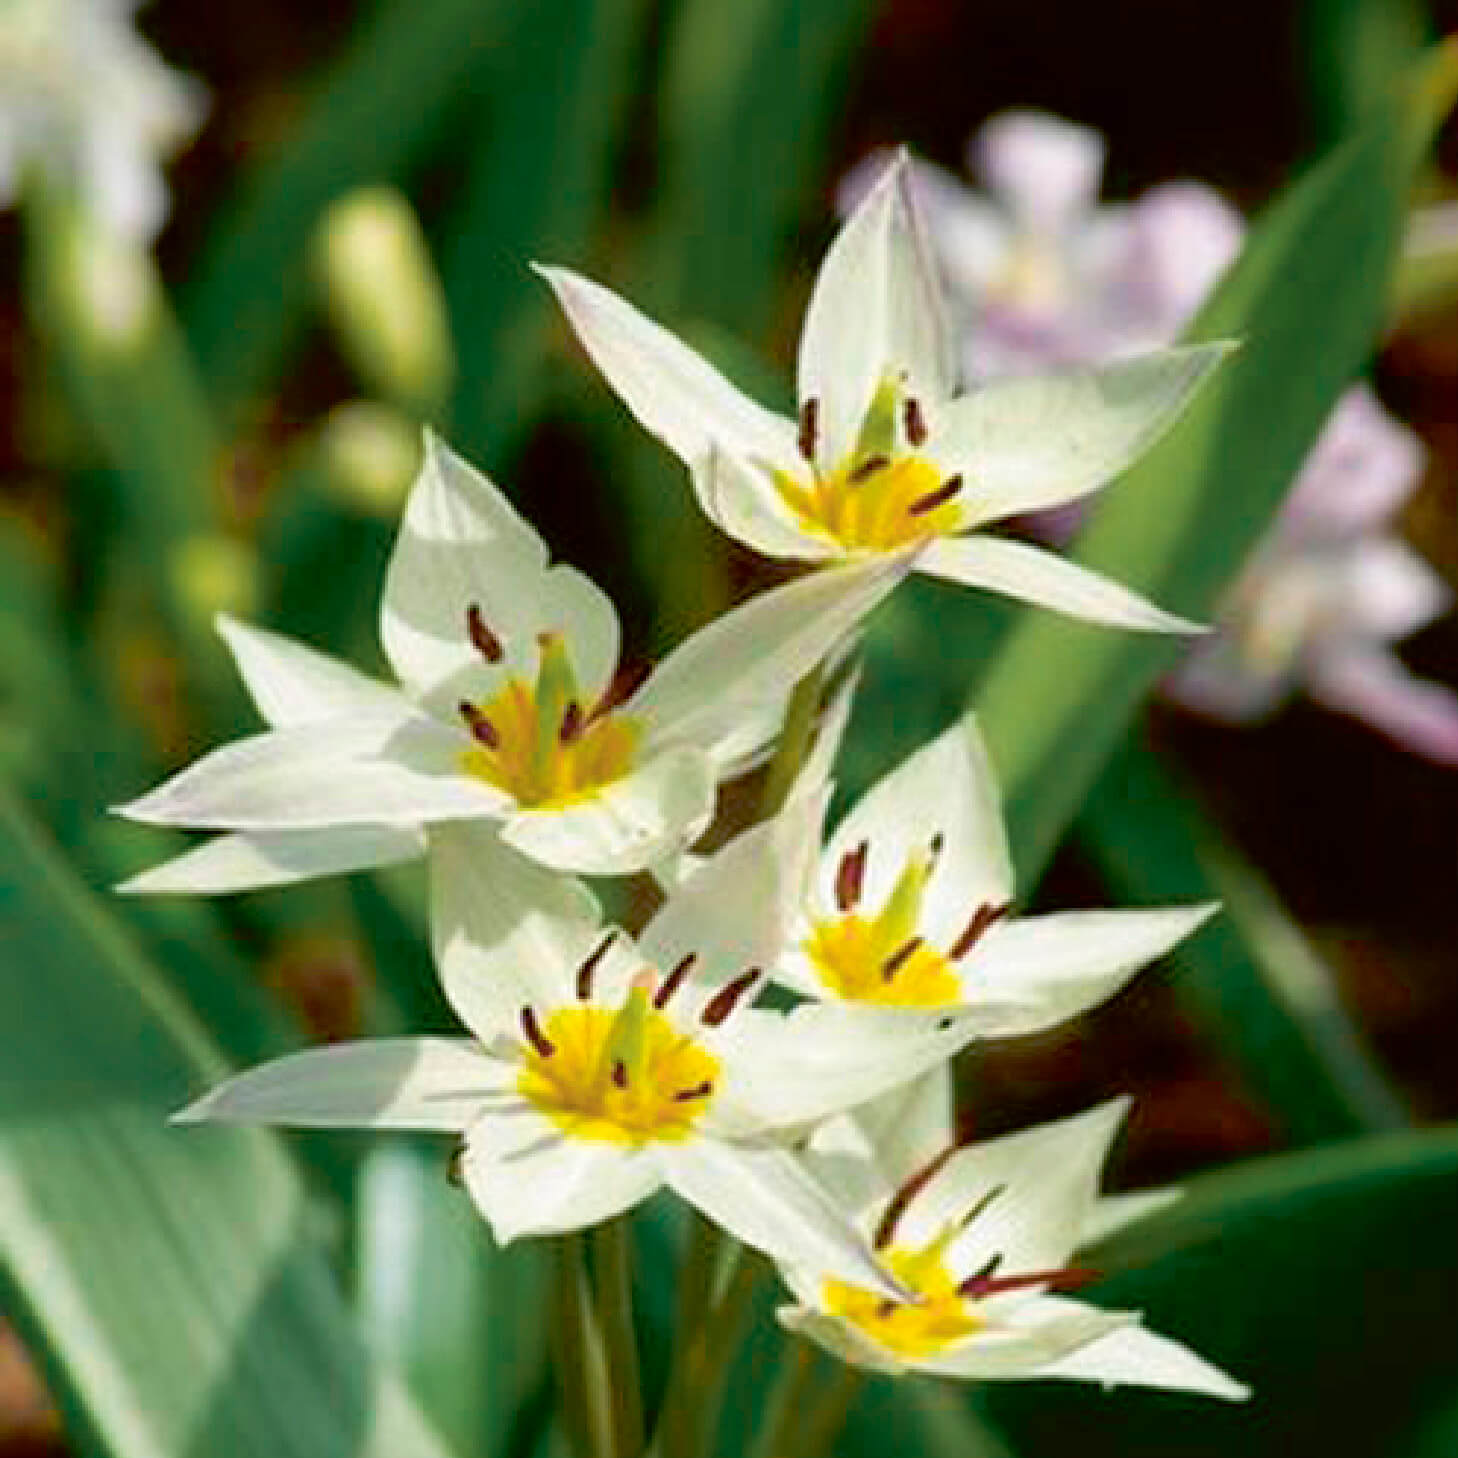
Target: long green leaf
{"type": "Point", "coordinates": [1327, 1280]}
{"type": "Point", "coordinates": [1251, 974]}
{"type": "Point", "coordinates": [165, 1277]}
{"type": "Point", "coordinates": [1307, 298]}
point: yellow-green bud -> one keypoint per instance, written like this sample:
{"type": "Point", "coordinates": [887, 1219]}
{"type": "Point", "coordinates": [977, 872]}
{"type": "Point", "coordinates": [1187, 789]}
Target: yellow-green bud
{"type": "Point", "coordinates": [212, 573]}
{"type": "Point", "coordinates": [371, 453]}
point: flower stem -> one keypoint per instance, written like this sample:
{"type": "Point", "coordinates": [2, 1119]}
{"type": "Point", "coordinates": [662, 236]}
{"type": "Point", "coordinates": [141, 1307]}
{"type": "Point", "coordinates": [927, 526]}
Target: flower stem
{"type": "Point", "coordinates": [780, 1426]}
{"type": "Point", "coordinates": [795, 740]}
{"type": "Point", "coordinates": [612, 1270]}
{"type": "Point", "coordinates": [577, 1355]}
{"type": "Point", "coordinates": [828, 1416]}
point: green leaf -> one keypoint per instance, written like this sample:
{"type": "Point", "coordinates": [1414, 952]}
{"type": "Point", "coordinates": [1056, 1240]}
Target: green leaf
{"type": "Point", "coordinates": [166, 1278]}
{"type": "Point", "coordinates": [1326, 1280]}
{"type": "Point", "coordinates": [1306, 296]}
{"type": "Point", "coordinates": [389, 99]}
{"type": "Point", "coordinates": [1250, 974]}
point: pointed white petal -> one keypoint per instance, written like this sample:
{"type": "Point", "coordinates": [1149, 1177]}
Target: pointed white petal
{"type": "Point", "coordinates": [507, 933]}
{"type": "Point", "coordinates": [764, 1196]}
{"type": "Point", "coordinates": [819, 767]}
{"type": "Point", "coordinates": [739, 497]}
{"type": "Point", "coordinates": [1038, 441]}
{"type": "Point", "coordinates": [627, 825]}
{"type": "Point", "coordinates": [839, 1338]}
{"type": "Point", "coordinates": [673, 392]}
{"type": "Point", "coordinates": [736, 908]}
{"type": "Point", "coordinates": [1024, 1347]}
{"type": "Point", "coordinates": [1047, 1180]}
{"type": "Point", "coordinates": [1112, 1214]}
{"type": "Point", "coordinates": [384, 1083]}
{"type": "Point", "coordinates": [361, 771]}
{"type": "Point", "coordinates": [946, 789]}
{"type": "Point", "coordinates": [758, 651]}
{"type": "Point", "coordinates": [1138, 1357]}
{"type": "Point", "coordinates": [823, 1058]}
{"type": "Point", "coordinates": [528, 1178]}
{"type": "Point", "coordinates": [1062, 964]}
{"type": "Point", "coordinates": [875, 310]}
{"type": "Point", "coordinates": [910, 1126]}
{"type": "Point", "coordinates": [248, 862]}
{"type": "Point", "coordinates": [1391, 590]}
{"type": "Point", "coordinates": [1041, 168]}
{"type": "Point", "coordinates": [294, 685]}
{"type": "Point", "coordinates": [1030, 574]}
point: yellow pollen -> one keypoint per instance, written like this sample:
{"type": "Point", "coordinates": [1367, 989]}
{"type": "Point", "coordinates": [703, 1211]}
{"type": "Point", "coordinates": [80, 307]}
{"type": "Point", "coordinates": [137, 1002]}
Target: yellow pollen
{"type": "Point", "coordinates": [851, 955]}
{"type": "Point", "coordinates": [619, 1077]}
{"type": "Point", "coordinates": [858, 507]}
{"type": "Point", "coordinates": [533, 763]}
{"type": "Point", "coordinates": [909, 1329]}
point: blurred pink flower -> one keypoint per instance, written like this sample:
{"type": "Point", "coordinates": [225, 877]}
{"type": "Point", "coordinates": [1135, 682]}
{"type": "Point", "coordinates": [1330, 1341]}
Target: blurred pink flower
{"type": "Point", "coordinates": [1039, 273]}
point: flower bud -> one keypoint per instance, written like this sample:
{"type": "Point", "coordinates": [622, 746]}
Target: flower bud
{"type": "Point", "coordinates": [212, 574]}
{"type": "Point", "coordinates": [371, 453]}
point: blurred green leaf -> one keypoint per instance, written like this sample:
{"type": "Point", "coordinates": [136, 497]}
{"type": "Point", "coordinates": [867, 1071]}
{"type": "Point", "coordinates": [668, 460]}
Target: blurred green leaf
{"type": "Point", "coordinates": [165, 1277]}
{"type": "Point", "coordinates": [1356, 52]}
{"type": "Point", "coordinates": [1306, 297]}
{"type": "Point", "coordinates": [1327, 1280]}
{"type": "Point", "coordinates": [542, 155]}
{"type": "Point", "coordinates": [1251, 974]}
{"type": "Point", "coordinates": [388, 100]}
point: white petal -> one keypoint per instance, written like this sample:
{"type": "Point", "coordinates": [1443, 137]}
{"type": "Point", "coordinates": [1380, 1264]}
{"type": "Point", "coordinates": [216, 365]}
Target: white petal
{"type": "Point", "coordinates": [1047, 1180]}
{"type": "Point", "coordinates": [626, 825]}
{"type": "Point", "coordinates": [1179, 238]}
{"type": "Point", "coordinates": [1038, 441]}
{"type": "Point", "coordinates": [294, 685]}
{"type": "Point", "coordinates": [527, 1178]}
{"type": "Point", "coordinates": [507, 933]}
{"type": "Point", "coordinates": [359, 771]}
{"type": "Point", "coordinates": [673, 392]}
{"type": "Point", "coordinates": [764, 1196]}
{"type": "Point", "coordinates": [248, 862]}
{"type": "Point", "coordinates": [1391, 591]}
{"type": "Point", "coordinates": [758, 651]}
{"type": "Point", "coordinates": [946, 789]}
{"type": "Point", "coordinates": [1062, 964]}
{"type": "Point", "coordinates": [1113, 1214]}
{"type": "Point", "coordinates": [739, 497]}
{"type": "Point", "coordinates": [384, 1083]}
{"type": "Point", "coordinates": [840, 1338]}
{"type": "Point", "coordinates": [736, 908]}
{"type": "Point", "coordinates": [875, 311]}
{"type": "Point", "coordinates": [1375, 687]}
{"type": "Point", "coordinates": [1025, 1348]}
{"type": "Point", "coordinates": [1043, 169]}
{"type": "Point", "coordinates": [1032, 575]}
{"type": "Point", "coordinates": [1136, 1356]}
{"type": "Point", "coordinates": [823, 1058]}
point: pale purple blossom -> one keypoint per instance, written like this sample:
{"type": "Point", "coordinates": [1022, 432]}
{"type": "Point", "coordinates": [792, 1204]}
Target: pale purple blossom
{"type": "Point", "coordinates": [1040, 273]}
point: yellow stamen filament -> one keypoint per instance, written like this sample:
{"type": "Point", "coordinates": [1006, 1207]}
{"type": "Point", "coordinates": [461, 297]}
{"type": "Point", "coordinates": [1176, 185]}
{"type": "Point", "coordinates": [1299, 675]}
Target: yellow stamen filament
{"type": "Point", "coordinates": [619, 1077]}
{"type": "Point", "coordinates": [937, 1320]}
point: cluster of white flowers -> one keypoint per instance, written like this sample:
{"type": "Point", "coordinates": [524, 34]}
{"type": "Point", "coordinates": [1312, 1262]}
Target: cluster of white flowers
{"type": "Point", "coordinates": [1041, 274]}
{"type": "Point", "coordinates": [601, 1066]}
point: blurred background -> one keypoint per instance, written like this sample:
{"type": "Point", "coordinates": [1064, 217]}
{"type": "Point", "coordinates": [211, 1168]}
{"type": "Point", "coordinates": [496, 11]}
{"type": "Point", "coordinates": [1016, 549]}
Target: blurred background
{"type": "Point", "coordinates": [246, 447]}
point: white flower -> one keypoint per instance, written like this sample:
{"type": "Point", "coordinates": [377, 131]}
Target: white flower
{"type": "Point", "coordinates": [909, 907]}
{"type": "Point", "coordinates": [885, 452]}
{"type": "Point", "coordinates": [983, 1236]}
{"type": "Point", "coordinates": [88, 103]}
{"type": "Point", "coordinates": [506, 712]}
{"type": "Point", "coordinates": [600, 1071]}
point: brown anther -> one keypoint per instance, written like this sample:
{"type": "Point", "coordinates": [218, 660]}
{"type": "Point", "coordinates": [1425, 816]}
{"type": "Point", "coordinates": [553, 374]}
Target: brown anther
{"type": "Point", "coordinates": [727, 998]}
{"type": "Point", "coordinates": [936, 845]}
{"type": "Point", "coordinates": [985, 916]}
{"type": "Point", "coordinates": [483, 731]}
{"type": "Point", "coordinates": [994, 1193]}
{"type": "Point", "coordinates": [570, 729]}
{"type": "Point", "coordinates": [896, 1205]}
{"type": "Point", "coordinates": [850, 875]}
{"type": "Point", "coordinates": [900, 957]}
{"type": "Point", "coordinates": [933, 499]}
{"type": "Point", "coordinates": [887, 1307]}
{"type": "Point", "coordinates": [483, 640]}
{"type": "Point", "coordinates": [534, 1034]}
{"type": "Point", "coordinates": [914, 421]}
{"type": "Point", "coordinates": [1066, 1279]}
{"type": "Point", "coordinates": [673, 981]}
{"type": "Point", "coordinates": [985, 1271]}
{"type": "Point", "coordinates": [585, 971]}
{"type": "Point", "coordinates": [620, 1073]}
{"type": "Point", "coordinates": [626, 682]}
{"type": "Point", "coordinates": [867, 469]}
{"type": "Point", "coordinates": [698, 1091]}
{"type": "Point", "coordinates": [809, 436]}
{"type": "Point", "coordinates": [454, 1172]}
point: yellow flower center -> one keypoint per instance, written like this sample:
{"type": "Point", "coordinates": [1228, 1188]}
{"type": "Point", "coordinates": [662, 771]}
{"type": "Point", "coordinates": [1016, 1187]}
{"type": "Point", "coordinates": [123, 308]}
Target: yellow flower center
{"type": "Point", "coordinates": [856, 960]}
{"type": "Point", "coordinates": [624, 1076]}
{"type": "Point", "coordinates": [910, 1330]}
{"type": "Point", "coordinates": [536, 743]}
